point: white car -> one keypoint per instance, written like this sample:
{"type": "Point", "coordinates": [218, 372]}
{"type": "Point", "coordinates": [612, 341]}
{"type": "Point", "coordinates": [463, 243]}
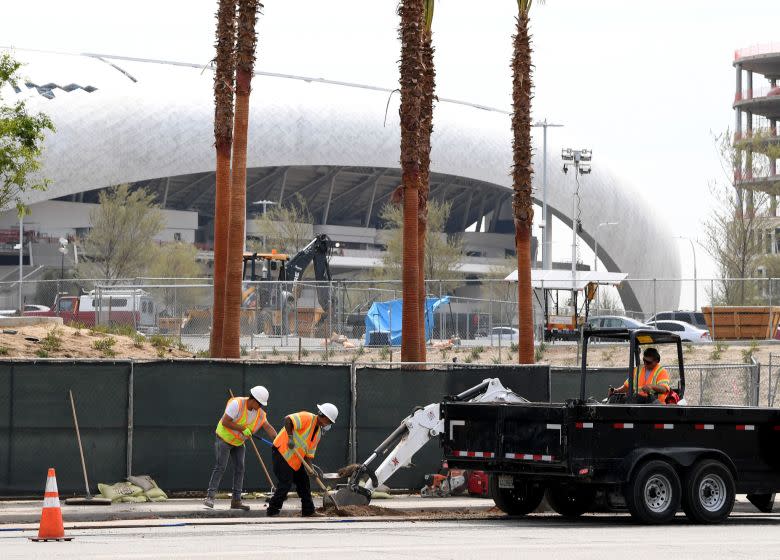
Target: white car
{"type": "Point", "coordinates": [504, 336]}
{"type": "Point", "coordinates": [686, 331]}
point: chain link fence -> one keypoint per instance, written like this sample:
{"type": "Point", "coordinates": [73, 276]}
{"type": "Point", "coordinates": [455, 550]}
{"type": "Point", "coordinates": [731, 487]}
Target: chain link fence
{"type": "Point", "coordinates": [720, 384]}
{"type": "Point", "coordinates": [309, 315]}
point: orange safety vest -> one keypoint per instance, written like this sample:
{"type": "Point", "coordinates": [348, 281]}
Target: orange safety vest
{"type": "Point", "coordinates": [659, 376]}
{"type": "Point", "coordinates": [238, 438]}
{"type": "Point", "coordinates": [306, 435]}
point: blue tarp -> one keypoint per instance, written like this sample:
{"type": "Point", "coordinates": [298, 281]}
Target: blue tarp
{"type": "Point", "coordinates": [385, 316]}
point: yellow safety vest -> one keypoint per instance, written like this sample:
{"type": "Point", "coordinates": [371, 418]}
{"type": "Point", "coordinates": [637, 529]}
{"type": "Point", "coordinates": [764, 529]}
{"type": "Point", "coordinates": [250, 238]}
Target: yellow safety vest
{"type": "Point", "coordinates": [306, 435]}
{"type": "Point", "coordinates": [659, 376]}
{"type": "Point", "coordinates": [234, 437]}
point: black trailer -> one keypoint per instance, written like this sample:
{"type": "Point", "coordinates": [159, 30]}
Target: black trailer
{"type": "Point", "coordinates": [588, 455]}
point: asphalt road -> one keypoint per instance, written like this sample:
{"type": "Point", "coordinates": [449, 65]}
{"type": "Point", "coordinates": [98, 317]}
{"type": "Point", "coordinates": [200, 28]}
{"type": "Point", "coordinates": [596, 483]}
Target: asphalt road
{"type": "Point", "coordinates": [549, 537]}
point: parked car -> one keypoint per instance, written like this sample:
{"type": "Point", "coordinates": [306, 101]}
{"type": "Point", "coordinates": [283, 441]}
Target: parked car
{"type": "Point", "coordinates": [615, 322]}
{"type": "Point", "coordinates": [686, 331]}
{"type": "Point", "coordinates": [694, 318]}
{"type": "Point", "coordinates": [501, 335]}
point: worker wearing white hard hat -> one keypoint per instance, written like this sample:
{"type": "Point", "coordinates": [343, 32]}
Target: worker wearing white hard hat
{"type": "Point", "coordinates": [295, 443]}
{"type": "Point", "coordinates": [243, 416]}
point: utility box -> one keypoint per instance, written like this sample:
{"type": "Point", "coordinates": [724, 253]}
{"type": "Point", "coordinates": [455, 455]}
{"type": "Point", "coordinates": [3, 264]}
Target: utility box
{"type": "Point", "coordinates": [758, 322]}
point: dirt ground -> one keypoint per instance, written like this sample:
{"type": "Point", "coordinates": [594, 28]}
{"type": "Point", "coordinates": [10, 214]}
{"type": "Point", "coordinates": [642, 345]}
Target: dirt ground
{"type": "Point", "coordinates": [599, 355]}
{"type": "Point", "coordinates": [61, 341]}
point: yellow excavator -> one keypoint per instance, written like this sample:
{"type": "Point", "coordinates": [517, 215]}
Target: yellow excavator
{"type": "Point", "coordinates": [268, 308]}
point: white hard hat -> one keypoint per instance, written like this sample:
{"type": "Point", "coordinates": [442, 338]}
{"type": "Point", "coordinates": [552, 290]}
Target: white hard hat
{"type": "Point", "coordinates": [329, 411]}
{"type": "Point", "coordinates": [260, 394]}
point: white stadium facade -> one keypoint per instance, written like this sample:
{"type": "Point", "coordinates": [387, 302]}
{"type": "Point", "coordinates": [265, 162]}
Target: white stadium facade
{"type": "Point", "coordinates": [149, 123]}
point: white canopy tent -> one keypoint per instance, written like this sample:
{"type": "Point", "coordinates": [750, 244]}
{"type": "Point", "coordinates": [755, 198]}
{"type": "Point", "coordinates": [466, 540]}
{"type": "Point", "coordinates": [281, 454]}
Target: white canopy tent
{"type": "Point", "coordinates": [562, 279]}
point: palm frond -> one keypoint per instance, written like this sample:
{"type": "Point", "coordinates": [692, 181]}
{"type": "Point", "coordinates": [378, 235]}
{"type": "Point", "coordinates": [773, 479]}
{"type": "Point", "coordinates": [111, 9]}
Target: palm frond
{"type": "Point", "coordinates": [428, 15]}
{"type": "Point", "coordinates": [524, 6]}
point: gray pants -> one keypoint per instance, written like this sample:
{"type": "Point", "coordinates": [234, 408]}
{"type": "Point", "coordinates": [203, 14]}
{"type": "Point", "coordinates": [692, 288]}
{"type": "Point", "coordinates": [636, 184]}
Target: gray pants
{"type": "Point", "coordinates": [223, 451]}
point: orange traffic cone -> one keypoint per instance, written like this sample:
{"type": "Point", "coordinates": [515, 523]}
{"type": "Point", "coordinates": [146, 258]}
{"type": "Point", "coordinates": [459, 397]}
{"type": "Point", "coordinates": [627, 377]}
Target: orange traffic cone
{"type": "Point", "coordinates": [51, 528]}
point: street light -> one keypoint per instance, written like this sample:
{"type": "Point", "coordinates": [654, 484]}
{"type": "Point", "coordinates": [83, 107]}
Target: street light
{"type": "Point", "coordinates": [693, 248]}
{"type": "Point", "coordinates": [264, 203]}
{"type": "Point", "coordinates": [596, 245]}
{"type": "Point", "coordinates": [546, 230]}
{"type": "Point", "coordinates": [63, 250]}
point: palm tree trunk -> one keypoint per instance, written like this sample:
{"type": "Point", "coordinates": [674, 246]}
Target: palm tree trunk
{"type": "Point", "coordinates": [522, 174]}
{"type": "Point", "coordinates": [245, 60]}
{"type": "Point", "coordinates": [426, 128]}
{"type": "Point", "coordinates": [411, 12]}
{"type": "Point", "coordinates": [224, 78]}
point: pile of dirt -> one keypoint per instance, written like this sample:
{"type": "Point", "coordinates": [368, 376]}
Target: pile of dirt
{"type": "Point", "coordinates": [362, 511]}
{"type": "Point", "coordinates": [62, 341]}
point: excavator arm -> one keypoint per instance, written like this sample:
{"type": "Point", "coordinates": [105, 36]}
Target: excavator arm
{"type": "Point", "coordinates": [317, 251]}
{"type": "Point", "coordinates": [411, 435]}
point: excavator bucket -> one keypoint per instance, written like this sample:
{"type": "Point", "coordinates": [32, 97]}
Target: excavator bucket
{"type": "Point", "coordinates": [346, 497]}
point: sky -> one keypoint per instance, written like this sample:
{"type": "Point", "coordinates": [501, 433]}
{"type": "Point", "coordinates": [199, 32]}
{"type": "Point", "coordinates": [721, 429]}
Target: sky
{"type": "Point", "coordinates": [645, 85]}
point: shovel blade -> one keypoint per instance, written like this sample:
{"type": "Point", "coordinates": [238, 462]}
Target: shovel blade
{"type": "Point", "coordinates": [346, 497]}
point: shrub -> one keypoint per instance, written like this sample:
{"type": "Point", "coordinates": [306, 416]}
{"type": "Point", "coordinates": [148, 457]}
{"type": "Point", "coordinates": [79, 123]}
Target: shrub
{"type": "Point", "coordinates": [138, 340]}
{"type": "Point", "coordinates": [52, 342]}
{"type": "Point", "coordinates": [384, 353]}
{"type": "Point", "coordinates": [4, 351]}
{"type": "Point", "coordinates": [41, 353]}
{"type": "Point", "coordinates": [106, 346]}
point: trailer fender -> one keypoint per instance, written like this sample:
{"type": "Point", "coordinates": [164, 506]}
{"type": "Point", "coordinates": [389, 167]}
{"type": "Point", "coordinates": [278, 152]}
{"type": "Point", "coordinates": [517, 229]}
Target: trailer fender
{"type": "Point", "coordinates": [680, 457]}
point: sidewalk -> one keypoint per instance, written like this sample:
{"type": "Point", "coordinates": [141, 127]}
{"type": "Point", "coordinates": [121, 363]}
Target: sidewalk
{"type": "Point", "coordinates": [23, 512]}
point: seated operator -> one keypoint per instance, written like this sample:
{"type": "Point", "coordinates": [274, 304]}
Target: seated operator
{"type": "Point", "coordinates": [651, 381]}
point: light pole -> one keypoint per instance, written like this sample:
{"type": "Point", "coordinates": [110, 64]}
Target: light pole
{"type": "Point", "coordinates": [580, 160]}
{"type": "Point", "coordinates": [264, 203]}
{"type": "Point", "coordinates": [546, 231]}
{"type": "Point", "coordinates": [693, 248]}
{"type": "Point", "coordinates": [63, 250]}
{"type": "Point", "coordinates": [596, 244]}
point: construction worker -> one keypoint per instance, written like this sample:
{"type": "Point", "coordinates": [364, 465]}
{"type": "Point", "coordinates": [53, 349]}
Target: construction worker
{"type": "Point", "coordinates": [651, 381]}
{"type": "Point", "coordinates": [298, 441]}
{"type": "Point", "coordinates": [243, 417]}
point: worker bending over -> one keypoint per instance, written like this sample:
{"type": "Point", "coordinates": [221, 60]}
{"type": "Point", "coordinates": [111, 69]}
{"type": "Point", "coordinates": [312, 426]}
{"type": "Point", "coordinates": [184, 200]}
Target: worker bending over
{"type": "Point", "coordinates": [651, 381]}
{"type": "Point", "coordinates": [296, 442]}
{"type": "Point", "coordinates": [243, 417]}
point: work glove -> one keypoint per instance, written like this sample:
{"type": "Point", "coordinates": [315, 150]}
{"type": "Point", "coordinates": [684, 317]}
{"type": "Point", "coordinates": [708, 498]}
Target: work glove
{"type": "Point", "coordinates": [247, 432]}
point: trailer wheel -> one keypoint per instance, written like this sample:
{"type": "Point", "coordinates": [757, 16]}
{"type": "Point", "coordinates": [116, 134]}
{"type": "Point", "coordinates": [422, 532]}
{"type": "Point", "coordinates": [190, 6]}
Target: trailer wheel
{"type": "Point", "coordinates": [570, 501]}
{"type": "Point", "coordinates": [654, 493]}
{"type": "Point", "coordinates": [520, 500]}
{"type": "Point", "coordinates": [708, 493]}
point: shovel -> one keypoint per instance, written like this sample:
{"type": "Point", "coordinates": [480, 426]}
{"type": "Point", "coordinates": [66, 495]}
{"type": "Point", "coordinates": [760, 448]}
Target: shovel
{"type": "Point", "coordinates": [313, 474]}
{"type": "Point", "coordinates": [88, 500]}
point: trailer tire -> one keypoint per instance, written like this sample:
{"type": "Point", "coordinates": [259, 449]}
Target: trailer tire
{"type": "Point", "coordinates": [654, 493]}
{"type": "Point", "coordinates": [521, 500]}
{"type": "Point", "coordinates": [570, 501]}
{"type": "Point", "coordinates": [708, 492]}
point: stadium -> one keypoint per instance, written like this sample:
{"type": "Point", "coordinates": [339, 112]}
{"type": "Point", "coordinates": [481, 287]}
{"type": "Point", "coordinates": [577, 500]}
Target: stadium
{"type": "Point", "coordinates": [149, 123]}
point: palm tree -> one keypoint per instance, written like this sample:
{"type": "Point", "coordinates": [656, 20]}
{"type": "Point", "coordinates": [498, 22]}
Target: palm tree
{"type": "Point", "coordinates": [411, 12]}
{"type": "Point", "coordinates": [224, 78]}
{"type": "Point", "coordinates": [245, 61]}
{"type": "Point", "coordinates": [428, 83]}
{"type": "Point", "coordinates": [522, 174]}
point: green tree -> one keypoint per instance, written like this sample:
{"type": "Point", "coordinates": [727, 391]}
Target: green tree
{"type": "Point", "coordinates": [442, 252]}
{"type": "Point", "coordinates": [286, 228]}
{"type": "Point", "coordinates": [21, 142]}
{"type": "Point", "coordinates": [178, 260]}
{"type": "Point", "coordinates": [121, 239]}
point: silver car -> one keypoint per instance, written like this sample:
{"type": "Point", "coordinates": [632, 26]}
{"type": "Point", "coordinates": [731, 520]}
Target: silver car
{"type": "Point", "coordinates": [686, 331]}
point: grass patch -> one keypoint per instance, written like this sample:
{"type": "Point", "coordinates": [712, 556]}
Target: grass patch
{"type": "Point", "coordinates": [202, 354]}
{"type": "Point", "coordinates": [52, 342]}
{"type": "Point", "coordinates": [181, 346]}
{"type": "Point", "coordinates": [139, 340]}
{"type": "Point", "coordinates": [539, 351]}
{"type": "Point", "coordinates": [747, 353]}
{"type": "Point", "coordinates": [244, 350]}
{"type": "Point", "coordinates": [467, 359]}
{"type": "Point", "coordinates": [513, 347]}
{"type": "Point", "coordinates": [718, 350]}
{"type": "Point", "coordinates": [496, 361]}
{"type": "Point", "coordinates": [304, 353]}
{"type": "Point", "coordinates": [4, 351]}
{"type": "Point", "coordinates": [41, 353]}
{"type": "Point", "coordinates": [384, 354]}
{"type": "Point", "coordinates": [275, 351]}
{"type": "Point", "coordinates": [476, 352]}
{"type": "Point", "coordinates": [164, 342]}
{"type": "Point", "coordinates": [105, 346]}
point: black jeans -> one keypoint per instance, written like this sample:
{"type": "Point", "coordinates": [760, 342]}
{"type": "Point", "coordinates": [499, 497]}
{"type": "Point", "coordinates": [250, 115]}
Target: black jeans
{"type": "Point", "coordinates": [285, 477]}
{"type": "Point", "coordinates": [223, 451]}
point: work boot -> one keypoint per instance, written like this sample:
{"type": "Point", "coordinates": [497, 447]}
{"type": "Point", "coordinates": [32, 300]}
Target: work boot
{"type": "Point", "coordinates": [311, 514]}
{"type": "Point", "coordinates": [237, 504]}
{"type": "Point", "coordinates": [272, 512]}
{"type": "Point", "coordinates": [208, 502]}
